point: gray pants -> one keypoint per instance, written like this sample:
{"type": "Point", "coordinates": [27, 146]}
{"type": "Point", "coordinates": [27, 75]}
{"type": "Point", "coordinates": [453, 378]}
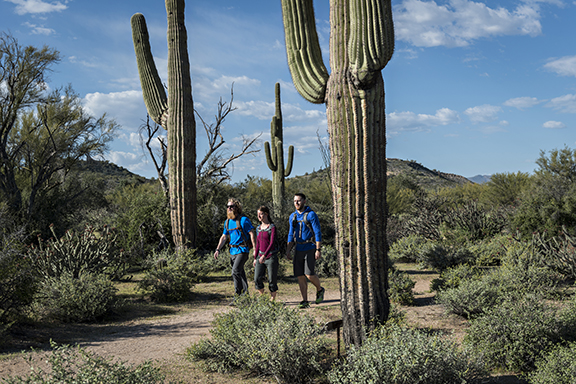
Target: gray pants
{"type": "Point", "coordinates": [271, 265]}
{"type": "Point", "coordinates": [238, 274]}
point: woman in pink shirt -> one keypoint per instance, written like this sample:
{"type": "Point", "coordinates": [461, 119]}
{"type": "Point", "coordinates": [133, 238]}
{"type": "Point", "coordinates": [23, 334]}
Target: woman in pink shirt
{"type": "Point", "coordinates": [266, 253]}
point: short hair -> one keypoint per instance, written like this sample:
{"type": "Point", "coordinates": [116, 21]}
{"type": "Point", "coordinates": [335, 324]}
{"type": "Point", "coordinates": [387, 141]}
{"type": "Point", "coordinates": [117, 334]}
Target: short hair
{"type": "Point", "coordinates": [238, 205]}
{"type": "Point", "coordinates": [300, 195]}
{"type": "Point", "coordinates": [266, 210]}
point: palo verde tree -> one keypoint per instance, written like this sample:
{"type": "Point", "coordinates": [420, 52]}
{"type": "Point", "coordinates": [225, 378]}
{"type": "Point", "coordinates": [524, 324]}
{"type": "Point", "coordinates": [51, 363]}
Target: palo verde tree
{"type": "Point", "coordinates": [275, 156]}
{"type": "Point", "coordinates": [42, 135]}
{"type": "Point", "coordinates": [175, 113]}
{"type": "Point", "coordinates": [361, 44]}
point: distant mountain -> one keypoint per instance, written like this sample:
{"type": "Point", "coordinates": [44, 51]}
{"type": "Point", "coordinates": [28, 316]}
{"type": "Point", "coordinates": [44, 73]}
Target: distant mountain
{"type": "Point", "coordinates": [425, 177]}
{"type": "Point", "coordinates": [480, 179]}
{"type": "Point", "coordinates": [114, 175]}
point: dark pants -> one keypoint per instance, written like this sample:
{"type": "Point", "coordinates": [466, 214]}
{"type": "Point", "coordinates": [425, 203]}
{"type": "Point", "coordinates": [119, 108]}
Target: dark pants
{"type": "Point", "coordinates": [272, 265]}
{"type": "Point", "coordinates": [238, 274]}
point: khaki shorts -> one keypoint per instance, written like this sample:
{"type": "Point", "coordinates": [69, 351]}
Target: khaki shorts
{"type": "Point", "coordinates": [304, 263]}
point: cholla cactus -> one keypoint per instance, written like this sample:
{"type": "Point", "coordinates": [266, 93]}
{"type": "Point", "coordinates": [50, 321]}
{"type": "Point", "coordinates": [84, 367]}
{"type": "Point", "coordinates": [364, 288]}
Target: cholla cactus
{"type": "Point", "coordinates": [275, 156]}
{"type": "Point", "coordinates": [361, 44]}
{"type": "Point", "coordinates": [175, 113]}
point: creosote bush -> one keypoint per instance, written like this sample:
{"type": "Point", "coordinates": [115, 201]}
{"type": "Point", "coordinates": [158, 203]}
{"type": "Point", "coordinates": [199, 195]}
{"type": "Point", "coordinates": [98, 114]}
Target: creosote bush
{"type": "Point", "coordinates": [65, 298]}
{"type": "Point", "coordinates": [76, 365]}
{"type": "Point", "coordinates": [515, 334]}
{"type": "Point", "coordinates": [265, 338]}
{"type": "Point", "coordinates": [328, 265]}
{"type": "Point", "coordinates": [171, 276]}
{"type": "Point", "coordinates": [406, 249]}
{"type": "Point", "coordinates": [400, 287]}
{"type": "Point", "coordinates": [397, 355]}
{"type": "Point", "coordinates": [557, 367]}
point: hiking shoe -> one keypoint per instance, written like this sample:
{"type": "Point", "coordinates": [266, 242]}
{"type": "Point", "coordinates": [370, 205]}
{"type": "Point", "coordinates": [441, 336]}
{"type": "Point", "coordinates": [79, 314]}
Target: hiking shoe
{"type": "Point", "coordinates": [320, 295]}
{"type": "Point", "coordinates": [304, 304]}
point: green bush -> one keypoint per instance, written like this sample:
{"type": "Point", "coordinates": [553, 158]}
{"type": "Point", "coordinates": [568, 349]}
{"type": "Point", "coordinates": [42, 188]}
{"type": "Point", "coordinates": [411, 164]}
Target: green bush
{"type": "Point", "coordinates": [171, 276]}
{"type": "Point", "coordinates": [406, 249]}
{"type": "Point", "coordinates": [471, 298]}
{"type": "Point", "coordinates": [567, 316]}
{"type": "Point", "coordinates": [556, 367]}
{"type": "Point", "coordinates": [328, 265]}
{"type": "Point", "coordinates": [76, 365]}
{"type": "Point", "coordinates": [515, 334]}
{"type": "Point", "coordinates": [17, 282]}
{"type": "Point", "coordinates": [87, 298]}
{"type": "Point", "coordinates": [76, 253]}
{"type": "Point", "coordinates": [489, 252]}
{"type": "Point", "coordinates": [265, 338]}
{"type": "Point", "coordinates": [439, 257]}
{"type": "Point", "coordinates": [406, 356]}
{"type": "Point", "coordinates": [400, 287]}
{"type": "Point", "coordinates": [452, 277]}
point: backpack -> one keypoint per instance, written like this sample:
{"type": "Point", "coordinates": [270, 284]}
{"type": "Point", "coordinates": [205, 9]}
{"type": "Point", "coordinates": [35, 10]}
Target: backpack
{"type": "Point", "coordinates": [307, 223]}
{"type": "Point", "coordinates": [245, 242]}
{"type": "Point", "coordinates": [276, 244]}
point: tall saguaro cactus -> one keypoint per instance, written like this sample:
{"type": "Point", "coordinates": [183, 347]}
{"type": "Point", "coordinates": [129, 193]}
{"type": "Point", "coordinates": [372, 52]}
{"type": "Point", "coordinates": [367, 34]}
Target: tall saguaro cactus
{"type": "Point", "coordinates": [275, 157]}
{"type": "Point", "coordinates": [361, 44]}
{"type": "Point", "coordinates": [175, 113]}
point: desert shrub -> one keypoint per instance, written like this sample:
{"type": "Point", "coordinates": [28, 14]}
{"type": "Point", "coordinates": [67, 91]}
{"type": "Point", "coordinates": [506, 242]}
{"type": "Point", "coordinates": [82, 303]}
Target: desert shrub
{"type": "Point", "coordinates": [76, 365]}
{"type": "Point", "coordinates": [439, 257]}
{"type": "Point", "coordinates": [452, 277]}
{"type": "Point", "coordinates": [406, 249]}
{"type": "Point", "coordinates": [406, 356]}
{"type": "Point", "coordinates": [400, 287]}
{"type": "Point", "coordinates": [87, 298]}
{"type": "Point", "coordinates": [515, 334]}
{"type": "Point", "coordinates": [328, 265]}
{"type": "Point", "coordinates": [489, 252]}
{"type": "Point", "coordinates": [76, 253]}
{"type": "Point", "coordinates": [558, 252]}
{"type": "Point", "coordinates": [17, 283]}
{"type": "Point", "coordinates": [474, 296]}
{"type": "Point", "coordinates": [567, 316]}
{"type": "Point", "coordinates": [171, 276]}
{"type": "Point", "coordinates": [470, 222]}
{"type": "Point", "coordinates": [557, 367]}
{"type": "Point", "coordinates": [265, 338]}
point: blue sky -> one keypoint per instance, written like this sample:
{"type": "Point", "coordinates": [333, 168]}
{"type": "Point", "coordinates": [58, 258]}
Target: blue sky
{"type": "Point", "coordinates": [474, 87]}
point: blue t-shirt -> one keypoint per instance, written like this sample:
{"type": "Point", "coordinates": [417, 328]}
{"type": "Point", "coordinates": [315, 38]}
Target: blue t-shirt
{"type": "Point", "coordinates": [236, 236]}
{"type": "Point", "coordinates": [299, 232]}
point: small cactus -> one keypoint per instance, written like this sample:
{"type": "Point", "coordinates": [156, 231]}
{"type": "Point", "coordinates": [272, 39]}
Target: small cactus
{"type": "Point", "coordinates": [275, 156]}
{"type": "Point", "coordinates": [175, 113]}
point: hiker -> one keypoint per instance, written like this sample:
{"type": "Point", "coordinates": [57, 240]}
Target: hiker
{"type": "Point", "coordinates": [238, 230]}
{"type": "Point", "coordinates": [266, 253]}
{"type": "Point", "coordinates": [304, 231]}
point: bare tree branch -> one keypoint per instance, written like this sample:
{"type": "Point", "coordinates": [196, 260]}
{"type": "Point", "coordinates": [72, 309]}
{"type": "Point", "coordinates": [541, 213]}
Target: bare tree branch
{"type": "Point", "coordinates": [160, 168]}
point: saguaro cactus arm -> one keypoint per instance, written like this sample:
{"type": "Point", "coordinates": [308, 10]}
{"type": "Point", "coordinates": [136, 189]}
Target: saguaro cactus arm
{"type": "Point", "coordinates": [371, 43]}
{"type": "Point", "coordinates": [152, 87]}
{"type": "Point", "coordinates": [308, 71]}
{"type": "Point", "coordinates": [271, 157]}
{"type": "Point", "coordinates": [290, 161]}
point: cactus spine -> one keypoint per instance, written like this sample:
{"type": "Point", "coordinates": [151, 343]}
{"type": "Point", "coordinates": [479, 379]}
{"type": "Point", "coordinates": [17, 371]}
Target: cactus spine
{"type": "Point", "coordinates": [175, 113]}
{"type": "Point", "coordinates": [275, 157]}
{"type": "Point", "coordinates": [361, 44]}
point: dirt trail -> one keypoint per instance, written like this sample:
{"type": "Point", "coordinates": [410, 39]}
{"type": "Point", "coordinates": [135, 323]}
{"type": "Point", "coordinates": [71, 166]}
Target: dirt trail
{"type": "Point", "coordinates": [159, 338]}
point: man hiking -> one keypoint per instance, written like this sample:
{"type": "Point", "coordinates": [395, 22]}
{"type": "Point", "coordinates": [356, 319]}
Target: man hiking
{"type": "Point", "coordinates": [239, 231]}
{"type": "Point", "coordinates": [304, 232]}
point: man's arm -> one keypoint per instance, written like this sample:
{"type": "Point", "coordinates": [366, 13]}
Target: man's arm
{"type": "Point", "coordinates": [223, 239]}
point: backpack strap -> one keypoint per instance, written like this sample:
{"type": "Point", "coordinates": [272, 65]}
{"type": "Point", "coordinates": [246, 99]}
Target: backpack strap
{"type": "Point", "coordinates": [245, 242]}
{"type": "Point", "coordinates": [307, 223]}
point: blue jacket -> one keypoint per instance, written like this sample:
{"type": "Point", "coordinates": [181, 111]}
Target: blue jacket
{"type": "Point", "coordinates": [236, 237]}
{"type": "Point", "coordinates": [299, 232]}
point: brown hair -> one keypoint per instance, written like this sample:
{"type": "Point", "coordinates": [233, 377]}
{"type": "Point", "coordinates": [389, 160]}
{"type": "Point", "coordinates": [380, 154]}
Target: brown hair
{"type": "Point", "coordinates": [266, 210]}
{"type": "Point", "coordinates": [238, 209]}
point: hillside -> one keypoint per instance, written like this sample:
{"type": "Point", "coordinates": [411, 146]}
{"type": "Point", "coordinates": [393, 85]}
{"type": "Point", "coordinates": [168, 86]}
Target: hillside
{"type": "Point", "coordinates": [424, 177]}
{"type": "Point", "coordinates": [113, 174]}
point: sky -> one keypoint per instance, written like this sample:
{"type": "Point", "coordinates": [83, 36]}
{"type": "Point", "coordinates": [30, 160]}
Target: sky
{"type": "Point", "coordinates": [473, 87]}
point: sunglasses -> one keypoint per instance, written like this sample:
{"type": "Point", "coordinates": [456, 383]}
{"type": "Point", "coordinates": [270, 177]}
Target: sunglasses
{"type": "Point", "coordinates": [231, 206]}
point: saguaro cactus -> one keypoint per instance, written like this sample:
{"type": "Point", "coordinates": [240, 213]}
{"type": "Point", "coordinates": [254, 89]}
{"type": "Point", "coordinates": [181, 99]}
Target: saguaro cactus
{"type": "Point", "coordinates": [361, 44]}
{"type": "Point", "coordinates": [275, 157]}
{"type": "Point", "coordinates": [175, 113]}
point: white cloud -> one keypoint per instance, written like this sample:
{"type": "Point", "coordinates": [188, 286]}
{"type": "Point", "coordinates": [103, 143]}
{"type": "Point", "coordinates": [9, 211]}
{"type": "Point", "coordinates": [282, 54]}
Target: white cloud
{"type": "Point", "coordinates": [564, 66]}
{"type": "Point", "coordinates": [290, 113]}
{"type": "Point", "coordinates": [522, 102]}
{"type": "Point", "coordinates": [127, 107]}
{"type": "Point", "coordinates": [554, 125]}
{"type": "Point", "coordinates": [24, 7]}
{"type": "Point", "coordinates": [38, 30]}
{"type": "Point", "coordinates": [459, 22]}
{"type": "Point", "coordinates": [483, 113]}
{"type": "Point", "coordinates": [566, 103]}
{"type": "Point", "coordinates": [409, 121]}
